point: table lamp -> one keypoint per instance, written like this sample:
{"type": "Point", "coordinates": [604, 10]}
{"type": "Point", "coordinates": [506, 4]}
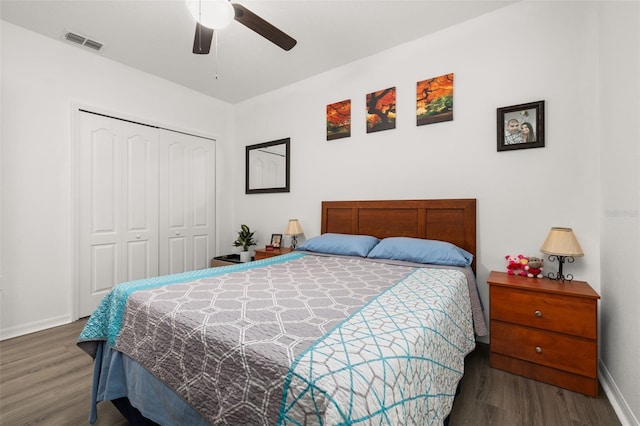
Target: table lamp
{"type": "Point", "coordinates": [561, 244]}
{"type": "Point", "coordinates": [294, 229]}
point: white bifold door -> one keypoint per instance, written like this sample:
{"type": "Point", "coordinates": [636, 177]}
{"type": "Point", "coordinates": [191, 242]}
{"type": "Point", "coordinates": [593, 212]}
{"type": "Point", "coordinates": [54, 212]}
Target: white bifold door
{"type": "Point", "coordinates": [187, 202]}
{"type": "Point", "coordinates": [145, 204]}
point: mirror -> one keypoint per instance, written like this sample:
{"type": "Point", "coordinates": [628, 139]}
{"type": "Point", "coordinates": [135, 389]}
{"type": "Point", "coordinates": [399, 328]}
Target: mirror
{"type": "Point", "coordinates": [267, 167]}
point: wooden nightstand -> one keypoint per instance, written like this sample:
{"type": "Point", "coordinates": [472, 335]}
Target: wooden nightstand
{"type": "Point", "coordinates": [546, 330]}
{"type": "Point", "coordinates": [226, 260]}
{"type": "Point", "coordinates": [264, 254]}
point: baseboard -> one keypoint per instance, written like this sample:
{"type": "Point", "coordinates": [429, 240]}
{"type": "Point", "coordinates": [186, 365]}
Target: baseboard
{"type": "Point", "coordinates": [619, 404]}
{"type": "Point", "coordinates": [32, 327]}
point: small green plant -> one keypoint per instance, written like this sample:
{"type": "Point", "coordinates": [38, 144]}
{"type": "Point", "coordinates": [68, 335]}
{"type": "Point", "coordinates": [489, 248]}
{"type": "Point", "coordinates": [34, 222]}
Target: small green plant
{"type": "Point", "coordinates": [245, 238]}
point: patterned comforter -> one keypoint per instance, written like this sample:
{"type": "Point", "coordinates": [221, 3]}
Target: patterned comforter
{"type": "Point", "coordinates": [298, 339]}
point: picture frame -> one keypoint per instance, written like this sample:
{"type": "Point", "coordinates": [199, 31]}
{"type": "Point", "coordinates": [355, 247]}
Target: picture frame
{"type": "Point", "coordinates": [276, 240]}
{"type": "Point", "coordinates": [521, 126]}
{"type": "Point", "coordinates": [267, 167]}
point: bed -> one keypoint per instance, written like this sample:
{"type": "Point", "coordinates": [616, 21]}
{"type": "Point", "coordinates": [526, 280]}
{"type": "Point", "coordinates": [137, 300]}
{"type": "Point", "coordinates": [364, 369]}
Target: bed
{"type": "Point", "coordinates": [368, 323]}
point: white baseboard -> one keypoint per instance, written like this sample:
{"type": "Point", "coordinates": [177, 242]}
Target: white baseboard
{"type": "Point", "coordinates": [619, 404]}
{"type": "Point", "coordinates": [32, 327]}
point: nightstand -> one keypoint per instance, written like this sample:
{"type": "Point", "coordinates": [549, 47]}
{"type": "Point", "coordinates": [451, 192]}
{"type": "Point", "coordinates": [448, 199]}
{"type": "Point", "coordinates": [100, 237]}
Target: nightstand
{"type": "Point", "coordinates": [546, 330]}
{"type": "Point", "coordinates": [226, 260]}
{"type": "Point", "coordinates": [264, 254]}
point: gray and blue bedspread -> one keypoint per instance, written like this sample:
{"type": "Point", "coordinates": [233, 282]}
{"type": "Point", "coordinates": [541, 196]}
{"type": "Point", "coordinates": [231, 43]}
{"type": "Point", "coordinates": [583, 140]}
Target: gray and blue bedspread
{"type": "Point", "coordinates": [298, 339]}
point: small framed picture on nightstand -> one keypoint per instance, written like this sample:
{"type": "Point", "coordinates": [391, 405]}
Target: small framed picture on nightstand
{"type": "Point", "coordinates": [276, 239]}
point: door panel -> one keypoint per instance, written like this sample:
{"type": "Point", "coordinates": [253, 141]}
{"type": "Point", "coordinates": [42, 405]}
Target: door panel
{"type": "Point", "coordinates": [117, 206]}
{"type": "Point", "coordinates": [200, 251]}
{"type": "Point", "coordinates": [177, 255]}
{"type": "Point", "coordinates": [187, 213]}
{"type": "Point", "coordinates": [103, 268]}
{"type": "Point", "coordinates": [140, 190]}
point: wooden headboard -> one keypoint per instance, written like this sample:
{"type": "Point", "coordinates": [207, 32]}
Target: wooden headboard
{"type": "Point", "coordinates": [445, 220]}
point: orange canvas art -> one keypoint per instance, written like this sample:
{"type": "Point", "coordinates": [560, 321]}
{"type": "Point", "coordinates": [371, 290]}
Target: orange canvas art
{"type": "Point", "coordinates": [434, 100]}
{"type": "Point", "coordinates": [339, 120]}
{"type": "Point", "coordinates": [381, 110]}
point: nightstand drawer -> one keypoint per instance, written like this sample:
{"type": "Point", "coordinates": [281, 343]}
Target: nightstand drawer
{"type": "Point", "coordinates": [265, 254]}
{"type": "Point", "coordinates": [546, 348]}
{"type": "Point", "coordinates": [564, 314]}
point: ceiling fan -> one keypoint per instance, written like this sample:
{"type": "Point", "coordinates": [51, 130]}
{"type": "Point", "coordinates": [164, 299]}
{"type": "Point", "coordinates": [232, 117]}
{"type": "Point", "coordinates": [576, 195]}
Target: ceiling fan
{"type": "Point", "coordinates": [216, 14]}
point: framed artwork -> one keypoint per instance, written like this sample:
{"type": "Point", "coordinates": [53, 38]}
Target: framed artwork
{"type": "Point", "coordinates": [276, 240]}
{"type": "Point", "coordinates": [521, 126]}
{"type": "Point", "coordinates": [434, 100]}
{"type": "Point", "coordinates": [381, 110]}
{"type": "Point", "coordinates": [339, 120]}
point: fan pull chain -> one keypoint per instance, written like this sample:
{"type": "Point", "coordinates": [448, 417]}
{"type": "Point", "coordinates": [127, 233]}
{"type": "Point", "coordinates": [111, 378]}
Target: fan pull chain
{"type": "Point", "coordinates": [215, 47]}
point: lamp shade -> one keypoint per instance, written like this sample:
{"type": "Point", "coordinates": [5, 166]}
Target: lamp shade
{"type": "Point", "coordinates": [293, 227]}
{"type": "Point", "coordinates": [214, 14]}
{"type": "Point", "coordinates": [562, 242]}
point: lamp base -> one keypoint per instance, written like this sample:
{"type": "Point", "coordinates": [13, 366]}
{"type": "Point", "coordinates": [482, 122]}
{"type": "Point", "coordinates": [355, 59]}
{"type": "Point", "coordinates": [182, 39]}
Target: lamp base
{"type": "Point", "coordinates": [294, 242]}
{"type": "Point", "coordinates": [560, 276]}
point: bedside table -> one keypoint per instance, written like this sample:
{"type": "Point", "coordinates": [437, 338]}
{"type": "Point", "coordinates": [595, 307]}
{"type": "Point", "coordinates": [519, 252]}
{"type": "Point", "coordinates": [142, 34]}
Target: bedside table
{"type": "Point", "coordinates": [545, 330]}
{"type": "Point", "coordinates": [264, 254]}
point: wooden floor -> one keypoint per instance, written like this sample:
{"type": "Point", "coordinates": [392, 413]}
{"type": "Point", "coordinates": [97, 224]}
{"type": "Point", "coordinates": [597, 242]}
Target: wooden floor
{"type": "Point", "coordinates": [45, 379]}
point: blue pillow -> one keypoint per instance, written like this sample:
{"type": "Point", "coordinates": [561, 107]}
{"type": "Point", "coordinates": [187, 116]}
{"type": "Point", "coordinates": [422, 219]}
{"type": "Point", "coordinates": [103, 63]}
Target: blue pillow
{"type": "Point", "coordinates": [421, 251]}
{"type": "Point", "coordinates": [341, 244]}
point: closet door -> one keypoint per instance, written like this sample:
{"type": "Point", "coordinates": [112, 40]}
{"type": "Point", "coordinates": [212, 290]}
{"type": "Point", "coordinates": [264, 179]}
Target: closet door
{"type": "Point", "coordinates": [117, 205]}
{"type": "Point", "coordinates": [187, 202]}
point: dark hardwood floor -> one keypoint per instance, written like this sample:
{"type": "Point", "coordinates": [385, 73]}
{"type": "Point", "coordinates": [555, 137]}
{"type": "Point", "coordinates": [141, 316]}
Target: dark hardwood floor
{"type": "Point", "coordinates": [46, 379]}
{"type": "Point", "coordinates": [494, 397]}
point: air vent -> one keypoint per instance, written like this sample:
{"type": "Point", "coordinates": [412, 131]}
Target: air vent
{"type": "Point", "coordinates": [75, 38]}
{"type": "Point", "coordinates": [93, 44]}
{"type": "Point", "coordinates": [82, 40]}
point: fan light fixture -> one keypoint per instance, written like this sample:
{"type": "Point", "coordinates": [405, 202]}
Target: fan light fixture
{"type": "Point", "coordinates": [215, 14]}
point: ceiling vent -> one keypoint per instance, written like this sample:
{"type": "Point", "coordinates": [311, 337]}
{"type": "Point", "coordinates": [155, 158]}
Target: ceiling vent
{"type": "Point", "coordinates": [82, 40]}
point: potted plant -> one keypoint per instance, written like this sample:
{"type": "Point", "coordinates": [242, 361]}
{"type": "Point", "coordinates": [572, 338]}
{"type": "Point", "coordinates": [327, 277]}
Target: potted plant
{"type": "Point", "coordinates": [245, 240]}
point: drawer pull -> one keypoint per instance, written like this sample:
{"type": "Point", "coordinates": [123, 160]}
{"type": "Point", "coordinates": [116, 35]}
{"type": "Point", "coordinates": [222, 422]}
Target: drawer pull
{"type": "Point", "coordinates": [538, 314]}
{"type": "Point", "coordinates": [538, 349]}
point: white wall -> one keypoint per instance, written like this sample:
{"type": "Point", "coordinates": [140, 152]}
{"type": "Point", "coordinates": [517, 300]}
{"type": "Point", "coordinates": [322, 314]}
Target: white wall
{"type": "Point", "coordinates": [521, 194]}
{"type": "Point", "coordinates": [41, 80]}
{"type": "Point", "coordinates": [619, 50]}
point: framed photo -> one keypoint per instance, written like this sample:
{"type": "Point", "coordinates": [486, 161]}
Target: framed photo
{"type": "Point", "coordinates": [521, 126]}
{"type": "Point", "coordinates": [276, 239]}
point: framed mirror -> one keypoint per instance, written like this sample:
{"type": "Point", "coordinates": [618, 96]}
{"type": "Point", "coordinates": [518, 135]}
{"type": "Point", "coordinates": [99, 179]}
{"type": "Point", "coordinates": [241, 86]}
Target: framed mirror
{"type": "Point", "coordinates": [267, 167]}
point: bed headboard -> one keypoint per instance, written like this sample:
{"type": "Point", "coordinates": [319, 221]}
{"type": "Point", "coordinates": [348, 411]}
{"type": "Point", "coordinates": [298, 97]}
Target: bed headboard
{"type": "Point", "coordinates": [452, 220]}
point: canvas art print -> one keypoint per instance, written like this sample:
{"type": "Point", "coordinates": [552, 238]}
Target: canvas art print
{"type": "Point", "coordinates": [434, 100]}
{"type": "Point", "coordinates": [381, 110]}
{"type": "Point", "coordinates": [339, 120]}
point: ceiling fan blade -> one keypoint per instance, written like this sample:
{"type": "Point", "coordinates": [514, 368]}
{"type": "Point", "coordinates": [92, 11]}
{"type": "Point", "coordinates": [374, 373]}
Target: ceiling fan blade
{"type": "Point", "coordinates": [202, 40]}
{"type": "Point", "coordinates": [262, 27]}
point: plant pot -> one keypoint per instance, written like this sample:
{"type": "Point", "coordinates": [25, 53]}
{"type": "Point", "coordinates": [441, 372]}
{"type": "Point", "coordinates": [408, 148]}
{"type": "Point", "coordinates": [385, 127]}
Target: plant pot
{"type": "Point", "coordinates": [245, 256]}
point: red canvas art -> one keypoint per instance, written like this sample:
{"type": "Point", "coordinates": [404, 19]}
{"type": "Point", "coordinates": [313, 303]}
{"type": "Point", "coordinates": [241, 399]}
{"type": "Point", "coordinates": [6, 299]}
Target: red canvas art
{"type": "Point", "coordinates": [381, 110]}
{"type": "Point", "coordinates": [434, 100]}
{"type": "Point", "coordinates": [339, 120]}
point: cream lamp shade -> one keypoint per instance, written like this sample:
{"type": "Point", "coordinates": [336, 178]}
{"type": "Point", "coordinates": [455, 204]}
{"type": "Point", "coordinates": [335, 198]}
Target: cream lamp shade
{"type": "Point", "coordinates": [215, 14]}
{"type": "Point", "coordinates": [561, 242]}
{"type": "Point", "coordinates": [561, 245]}
{"type": "Point", "coordinates": [294, 229]}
